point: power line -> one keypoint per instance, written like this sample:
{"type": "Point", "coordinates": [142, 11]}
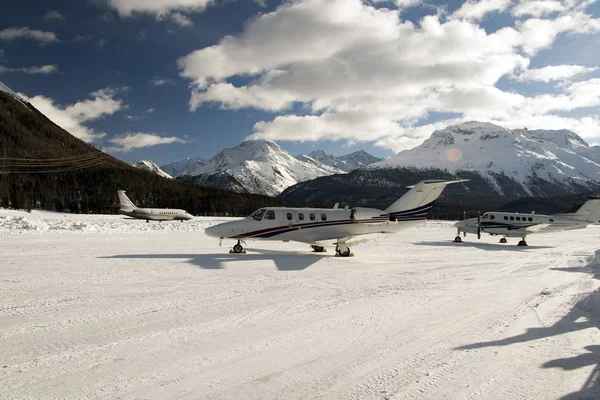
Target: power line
{"type": "Point", "coordinates": [14, 165]}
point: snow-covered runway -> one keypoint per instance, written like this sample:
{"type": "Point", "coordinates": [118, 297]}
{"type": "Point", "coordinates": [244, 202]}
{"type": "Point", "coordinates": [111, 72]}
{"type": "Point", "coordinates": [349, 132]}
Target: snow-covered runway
{"type": "Point", "coordinates": [104, 307]}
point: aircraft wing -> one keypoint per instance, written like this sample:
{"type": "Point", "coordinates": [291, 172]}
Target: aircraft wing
{"type": "Point", "coordinates": [537, 227]}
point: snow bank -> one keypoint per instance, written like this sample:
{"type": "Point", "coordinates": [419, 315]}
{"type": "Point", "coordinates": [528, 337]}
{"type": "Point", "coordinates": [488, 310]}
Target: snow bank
{"type": "Point", "coordinates": [19, 222]}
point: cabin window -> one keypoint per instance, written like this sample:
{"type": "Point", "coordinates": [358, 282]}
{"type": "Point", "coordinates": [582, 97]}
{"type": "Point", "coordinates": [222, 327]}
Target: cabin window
{"type": "Point", "coordinates": [270, 215]}
{"type": "Point", "coordinates": [258, 214]}
{"type": "Point", "coordinates": [289, 216]}
{"type": "Point", "coordinates": [518, 218]}
{"type": "Point", "coordinates": [300, 217]}
{"type": "Point", "coordinates": [312, 216]}
{"type": "Point", "coordinates": [492, 217]}
{"type": "Point", "coordinates": [551, 220]}
{"type": "Point", "coordinates": [323, 217]}
{"type": "Point", "coordinates": [505, 217]}
{"type": "Point", "coordinates": [512, 218]}
{"type": "Point", "coordinates": [530, 219]}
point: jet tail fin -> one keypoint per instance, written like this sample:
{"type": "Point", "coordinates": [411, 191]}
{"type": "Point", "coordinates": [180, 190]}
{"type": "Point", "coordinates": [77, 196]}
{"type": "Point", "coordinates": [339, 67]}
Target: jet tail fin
{"type": "Point", "coordinates": [124, 200]}
{"type": "Point", "coordinates": [416, 203]}
{"type": "Point", "coordinates": [589, 211]}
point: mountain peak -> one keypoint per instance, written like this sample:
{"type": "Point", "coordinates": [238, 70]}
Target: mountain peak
{"type": "Point", "coordinates": [318, 154]}
{"type": "Point", "coordinates": [262, 166]}
{"type": "Point", "coordinates": [152, 167]}
{"type": "Point", "coordinates": [491, 151]}
{"type": "Point", "coordinates": [347, 163]}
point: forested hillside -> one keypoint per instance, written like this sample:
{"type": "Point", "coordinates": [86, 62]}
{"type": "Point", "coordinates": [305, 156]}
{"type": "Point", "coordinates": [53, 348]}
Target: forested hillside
{"type": "Point", "coordinates": [43, 166]}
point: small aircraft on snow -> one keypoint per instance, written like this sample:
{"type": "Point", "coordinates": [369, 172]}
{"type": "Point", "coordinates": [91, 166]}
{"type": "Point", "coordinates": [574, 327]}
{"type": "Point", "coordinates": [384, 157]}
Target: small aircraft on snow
{"type": "Point", "coordinates": [319, 227]}
{"type": "Point", "coordinates": [521, 225]}
{"type": "Point", "coordinates": [154, 214]}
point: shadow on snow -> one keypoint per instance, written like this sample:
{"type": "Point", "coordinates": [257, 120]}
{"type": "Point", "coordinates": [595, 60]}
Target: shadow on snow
{"type": "Point", "coordinates": [584, 314]}
{"type": "Point", "coordinates": [284, 261]}
{"type": "Point", "coordinates": [485, 246]}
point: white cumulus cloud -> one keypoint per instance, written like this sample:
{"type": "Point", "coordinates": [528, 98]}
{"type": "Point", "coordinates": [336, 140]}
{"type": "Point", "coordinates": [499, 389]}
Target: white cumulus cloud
{"type": "Point", "coordinates": [137, 140]}
{"type": "Point", "coordinates": [42, 69]}
{"type": "Point", "coordinates": [553, 73]}
{"type": "Point", "coordinates": [181, 19]}
{"type": "Point", "coordinates": [157, 7]}
{"type": "Point", "coordinates": [54, 16]}
{"type": "Point", "coordinates": [363, 73]}
{"type": "Point", "coordinates": [27, 33]}
{"type": "Point", "coordinates": [537, 8]}
{"type": "Point", "coordinates": [477, 9]}
{"type": "Point", "coordinates": [73, 117]}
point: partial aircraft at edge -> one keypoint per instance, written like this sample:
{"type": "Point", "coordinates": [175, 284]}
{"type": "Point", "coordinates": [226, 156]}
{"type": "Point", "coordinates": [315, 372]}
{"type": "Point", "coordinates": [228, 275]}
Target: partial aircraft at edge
{"type": "Point", "coordinates": [154, 214]}
{"type": "Point", "coordinates": [322, 227]}
{"type": "Point", "coordinates": [521, 225]}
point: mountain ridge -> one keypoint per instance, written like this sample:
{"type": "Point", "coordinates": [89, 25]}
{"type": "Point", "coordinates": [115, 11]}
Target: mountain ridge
{"type": "Point", "coordinates": [502, 165]}
{"type": "Point", "coordinates": [256, 166]}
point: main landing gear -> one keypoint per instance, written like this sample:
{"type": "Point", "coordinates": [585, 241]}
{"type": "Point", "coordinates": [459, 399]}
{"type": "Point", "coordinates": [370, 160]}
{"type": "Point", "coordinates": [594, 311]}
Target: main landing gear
{"type": "Point", "coordinates": [341, 250]}
{"type": "Point", "coordinates": [319, 249]}
{"type": "Point", "coordinates": [238, 248]}
{"type": "Point", "coordinates": [503, 240]}
{"type": "Point", "coordinates": [522, 242]}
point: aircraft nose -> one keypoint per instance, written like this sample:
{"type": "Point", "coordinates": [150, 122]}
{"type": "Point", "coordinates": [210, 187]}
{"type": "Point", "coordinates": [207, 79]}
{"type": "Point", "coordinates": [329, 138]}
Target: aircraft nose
{"type": "Point", "coordinates": [213, 231]}
{"type": "Point", "coordinates": [460, 224]}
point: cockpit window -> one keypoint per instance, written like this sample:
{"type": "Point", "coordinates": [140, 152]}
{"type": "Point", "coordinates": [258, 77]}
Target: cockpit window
{"type": "Point", "coordinates": [485, 216]}
{"type": "Point", "coordinates": [270, 214]}
{"type": "Point", "coordinates": [258, 214]}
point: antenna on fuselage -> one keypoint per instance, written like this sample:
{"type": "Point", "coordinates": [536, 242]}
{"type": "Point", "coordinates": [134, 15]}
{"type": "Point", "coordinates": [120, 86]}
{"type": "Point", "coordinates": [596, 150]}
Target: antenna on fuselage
{"type": "Point", "coordinates": [336, 205]}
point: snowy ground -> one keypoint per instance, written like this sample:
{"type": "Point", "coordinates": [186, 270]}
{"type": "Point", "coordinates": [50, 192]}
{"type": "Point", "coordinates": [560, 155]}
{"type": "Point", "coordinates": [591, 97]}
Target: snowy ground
{"type": "Point", "coordinates": [106, 307]}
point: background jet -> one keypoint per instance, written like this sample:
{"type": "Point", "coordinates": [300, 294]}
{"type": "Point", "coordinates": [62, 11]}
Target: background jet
{"type": "Point", "coordinates": [521, 225]}
{"type": "Point", "coordinates": [154, 214]}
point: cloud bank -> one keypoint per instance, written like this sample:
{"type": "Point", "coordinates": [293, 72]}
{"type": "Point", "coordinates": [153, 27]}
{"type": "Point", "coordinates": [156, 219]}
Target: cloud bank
{"type": "Point", "coordinates": [362, 73]}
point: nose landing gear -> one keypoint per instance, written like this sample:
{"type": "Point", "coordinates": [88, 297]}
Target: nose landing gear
{"type": "Point", "coordinates": [458, 239]}
{"type": "Point", "coordinates": [238, 248]}
{"type": "Point", "coordinates": [503, 240]}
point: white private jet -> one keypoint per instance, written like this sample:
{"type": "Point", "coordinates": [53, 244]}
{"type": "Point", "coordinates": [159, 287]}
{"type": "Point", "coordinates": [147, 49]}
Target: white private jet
{"type": "Point", "coordinates": [154, 214]}
{"type": "Point", "coordinates": [521, 225]}
{"type": "Point", "coordinates": [319, 227]}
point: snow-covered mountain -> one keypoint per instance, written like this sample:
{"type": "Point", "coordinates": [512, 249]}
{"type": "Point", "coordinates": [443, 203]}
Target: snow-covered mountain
{"type": "Point", "coordinates": [261, 167]}
{"type": "Point", "coordinates": [152, 167]}
{"type": "Point", "coordinates": [189, 166]}
{"type": "Point", "coordinates": [6, 89]}
{"type": "Point", "coordinates": [347, 163]}
{"type": "Point", "coordinates": [501, 165]}
{"type": "Point", "coordinates": [527, 157]}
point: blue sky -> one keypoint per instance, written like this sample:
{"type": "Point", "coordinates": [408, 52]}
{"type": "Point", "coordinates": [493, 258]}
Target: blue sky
{"type": "Point", "coordinates": [165, 80]}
